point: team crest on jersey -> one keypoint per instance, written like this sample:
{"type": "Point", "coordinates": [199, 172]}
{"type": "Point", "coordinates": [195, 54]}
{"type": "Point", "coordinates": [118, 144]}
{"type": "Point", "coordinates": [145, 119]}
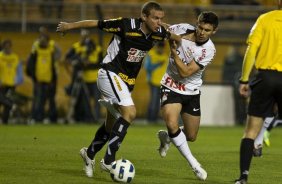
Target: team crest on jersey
{"type": "Point", "coordinates": [164, 98]}
{"type": "Point", "coordinates": [135, 55]}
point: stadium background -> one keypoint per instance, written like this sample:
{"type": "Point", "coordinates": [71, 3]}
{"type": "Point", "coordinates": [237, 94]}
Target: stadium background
{"type": "Point", "coordinates": [20, 20]}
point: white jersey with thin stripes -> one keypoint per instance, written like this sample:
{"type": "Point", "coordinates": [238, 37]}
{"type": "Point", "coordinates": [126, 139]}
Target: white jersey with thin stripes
{"type": "Point", "coordinates": [187, 51]}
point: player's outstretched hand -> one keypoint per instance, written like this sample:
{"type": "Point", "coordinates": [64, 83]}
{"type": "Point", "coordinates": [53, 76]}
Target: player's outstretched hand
{"type": "Point", "coordinates": [165, 25]}
{"type": "Point", "coordinates": [62, 27]}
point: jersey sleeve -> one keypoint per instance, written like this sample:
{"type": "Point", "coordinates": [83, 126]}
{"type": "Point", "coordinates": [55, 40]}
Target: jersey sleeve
{"type": "Point", "coordinates": [206, 56]}
{"type": "Point", "coordinates": [256, 33]}
{"type": "Point", "coordinates": [115, 26]}
{"type": "Point", "coordinates": [182, 28]}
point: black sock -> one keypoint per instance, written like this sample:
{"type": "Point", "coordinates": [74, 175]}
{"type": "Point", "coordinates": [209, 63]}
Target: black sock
{"type": "Point", "coordinates": [246, 154]}
{"type": "Point", "coordinates": [175, 134]}
{"type": "Point", "coordinates": [117, 135]}
{"type": "Point", "coordinates": [101, 138]}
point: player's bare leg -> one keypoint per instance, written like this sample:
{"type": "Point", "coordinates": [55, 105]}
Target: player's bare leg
{"type": "Point", "coordinates": [178, 138]}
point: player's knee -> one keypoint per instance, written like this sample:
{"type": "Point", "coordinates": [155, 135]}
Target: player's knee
{"type": "Point", "coordinates": [132, 115]}
{"type": "Point", "coordinates": [172, 127]}
{"type": "Point", "coordinates": [191, 138]}
{"type": "Point", "coordinates": [129, 114]}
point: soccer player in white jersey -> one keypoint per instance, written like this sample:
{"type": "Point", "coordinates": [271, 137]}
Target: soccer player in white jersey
{"type": "Point", "coordinates": [180, 90]}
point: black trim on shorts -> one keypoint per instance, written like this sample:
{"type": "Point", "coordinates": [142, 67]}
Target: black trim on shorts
{"type": "Point", "coordinates": [112, 85]}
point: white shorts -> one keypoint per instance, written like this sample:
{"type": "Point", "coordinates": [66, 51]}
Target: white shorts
{"type": "Point", "coordinates": [113, 88]}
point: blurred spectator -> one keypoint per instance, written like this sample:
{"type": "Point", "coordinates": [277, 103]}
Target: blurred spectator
{"type": "Point", "coordinates": [43, 30]}
{"type": "Point", "coordinates": [11, 75]}
{"type": "Point", "coordinates": [4, 6]}
{"type": "Point", "coordinates": [155, 66]}
{"type": "Point", "coordinates": [82, 62]}
{"type": "Point", "coordinates": [231, 74]}
{"type": "Point", "coordinates": [90, 74]}
{"type": "Point", "coordinates": [41, 69]}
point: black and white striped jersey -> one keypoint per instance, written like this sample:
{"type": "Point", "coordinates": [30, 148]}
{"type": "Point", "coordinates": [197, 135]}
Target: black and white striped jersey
{"type": "Point", "coordinates": [128, 47]}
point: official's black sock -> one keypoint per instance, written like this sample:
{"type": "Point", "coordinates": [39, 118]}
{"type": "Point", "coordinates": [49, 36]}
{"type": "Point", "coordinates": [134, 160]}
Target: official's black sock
{"type": "Point", "coordinates": [246, 154]}
{"type": "Point", "coordinates": [101, 138]}
{"type": "Point", "coordinates": [118, 133]}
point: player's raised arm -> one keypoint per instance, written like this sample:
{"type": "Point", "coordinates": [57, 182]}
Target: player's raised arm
{"type": "Point", "coordinates": [171, 36]}
{"type": "Point", "coordinates": [65, 26]}
{"type": "Point", "coordinates": [175, 38]}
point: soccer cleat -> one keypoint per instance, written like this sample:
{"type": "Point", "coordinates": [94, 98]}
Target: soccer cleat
{"type": "Point", "coordinates": [257, 152]}
{"type": "Point", "coordinates": [266, 139]}
{"type": "Point", "coordinates": [164, 142]}
{"type": "Point", "coordinates": [104, 166]}
{"type": "Point", "coordinates": [110, 107]}
{"type": "Point", "coordinates": [241, 181]}
{"type": "Point", "coordinates": [89, 164]}
{"type": "Point", "coordinates": [200, 173]}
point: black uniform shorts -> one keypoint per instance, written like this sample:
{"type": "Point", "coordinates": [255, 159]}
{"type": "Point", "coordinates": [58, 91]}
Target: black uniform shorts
{"type": "Point", "coordinates": [190, 103]}
{"type": "Point", "coordinates": [266, 90]}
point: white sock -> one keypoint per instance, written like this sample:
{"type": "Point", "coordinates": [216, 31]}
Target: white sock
{"type": "Point", "coordinates": [277, 121]}
{"type": "Point", "coordinates": [259, 139]}
{"type": "Point", "coordinates": [182, 145]}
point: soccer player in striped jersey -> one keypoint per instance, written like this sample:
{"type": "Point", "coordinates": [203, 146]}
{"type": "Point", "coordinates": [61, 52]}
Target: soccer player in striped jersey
{"type": "Point", "coordinates": [180, 90]}
{"type": "Point", "coordinates": [132, 39]}
{"type": "Point", "coordinates": [264, 52]}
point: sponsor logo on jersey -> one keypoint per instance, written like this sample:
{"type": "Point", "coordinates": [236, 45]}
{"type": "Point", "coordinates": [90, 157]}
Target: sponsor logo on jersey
{"type": "Point", "coordinates": [133, 34]}
{"type": "Point", "coordinates": [204, 52]}
{"type": "Point", "coordinates": [117, 83]}
{"type": "Point", "coordinates": [174, 84]}
{"type": "Point", "coordinates": [135, 55]}
{"type": "Point", "coordinates": [130, 81]}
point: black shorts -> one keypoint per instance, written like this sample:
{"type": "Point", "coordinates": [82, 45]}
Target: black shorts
{"type": "Point", "coordinates": [266, 91]}
{"type": "Point", "coordinates": [190, 103]}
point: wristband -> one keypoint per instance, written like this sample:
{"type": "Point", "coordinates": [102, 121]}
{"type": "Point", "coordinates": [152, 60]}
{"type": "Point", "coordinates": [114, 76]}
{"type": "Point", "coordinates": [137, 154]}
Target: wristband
{"type": "Point", "coordinates": [243, 82]}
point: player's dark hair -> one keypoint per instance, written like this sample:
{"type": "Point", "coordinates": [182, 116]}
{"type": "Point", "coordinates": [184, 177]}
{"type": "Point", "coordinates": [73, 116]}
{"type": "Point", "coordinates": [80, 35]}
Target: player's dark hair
{"type": "Point", "coordinates": [209, 17]}
{"type": "Point", "coordinates": [151, 5]}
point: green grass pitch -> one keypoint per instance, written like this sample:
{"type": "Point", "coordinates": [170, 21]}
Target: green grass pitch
{"type": "Point", "coordinates": [49, 154]}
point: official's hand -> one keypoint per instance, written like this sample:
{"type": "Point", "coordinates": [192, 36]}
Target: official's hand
{"type": "Point", "coordinates": [244, 90]}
